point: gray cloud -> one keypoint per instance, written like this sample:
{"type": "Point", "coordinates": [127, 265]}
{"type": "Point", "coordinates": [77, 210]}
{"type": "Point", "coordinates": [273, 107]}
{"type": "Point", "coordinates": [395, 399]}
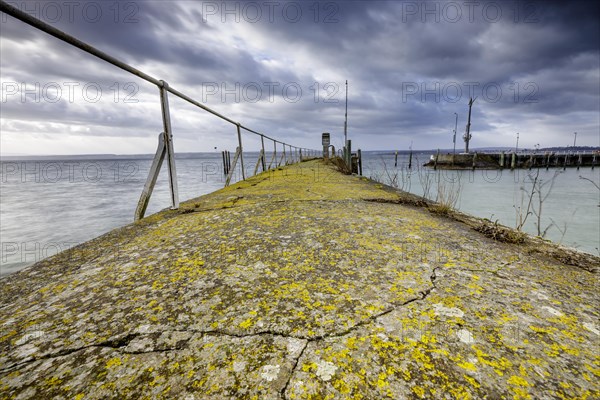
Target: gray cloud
{"type": "Point", "coordinates": [534, 67]}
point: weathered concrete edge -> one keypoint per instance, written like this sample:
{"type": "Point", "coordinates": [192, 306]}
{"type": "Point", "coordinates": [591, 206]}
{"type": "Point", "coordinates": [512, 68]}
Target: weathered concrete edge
{"type": "Point", "coordinates": [531, 244]}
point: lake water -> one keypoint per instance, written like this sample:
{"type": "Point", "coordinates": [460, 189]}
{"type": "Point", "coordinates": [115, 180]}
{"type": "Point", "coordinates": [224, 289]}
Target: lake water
{"type": "Point", "coordinates": [51, 204]}
{"type": "Point", "coordinates": [570, 210]}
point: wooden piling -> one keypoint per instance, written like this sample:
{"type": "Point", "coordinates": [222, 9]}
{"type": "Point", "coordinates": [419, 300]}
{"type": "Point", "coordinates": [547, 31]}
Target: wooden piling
{"type": "Point", "coordinates": [360, 162]}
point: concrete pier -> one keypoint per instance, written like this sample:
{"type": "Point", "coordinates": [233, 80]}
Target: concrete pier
{"type": "Point", "coordinates": [303, 283]}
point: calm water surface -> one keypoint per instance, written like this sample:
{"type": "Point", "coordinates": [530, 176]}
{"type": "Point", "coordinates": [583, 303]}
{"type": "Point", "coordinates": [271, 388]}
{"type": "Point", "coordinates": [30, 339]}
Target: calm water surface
{"type": "Point", "coordinates": [570, 211]}
{"type": "Point", "coordinates": [52, 204]}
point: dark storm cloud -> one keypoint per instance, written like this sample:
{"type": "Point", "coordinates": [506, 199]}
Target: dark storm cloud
{"type": "Point", "coordinates": [405, 60]}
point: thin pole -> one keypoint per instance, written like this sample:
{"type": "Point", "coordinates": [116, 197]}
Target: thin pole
{"type": "Point", "coordinates": [467, 135]}
{"type": "Point", "coordinates": [454, 137]}
{"type": "Point", "coordinates": [346, 117]}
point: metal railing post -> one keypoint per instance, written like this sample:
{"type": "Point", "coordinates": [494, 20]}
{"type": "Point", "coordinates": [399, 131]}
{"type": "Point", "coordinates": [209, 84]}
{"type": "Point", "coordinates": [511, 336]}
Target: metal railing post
{"type": "Point", "coordinates": [232, 169]}
{"type": "Point", "coordinates": [151, 179]}
{"type": "Point", "coordinates": [241, 151]}
{"type": "Point", "coordinates": [274, 158]}
{"type": "Point", "coordinates": [264, 162]}
{"type": "Point", "coordinates": [166, 116]}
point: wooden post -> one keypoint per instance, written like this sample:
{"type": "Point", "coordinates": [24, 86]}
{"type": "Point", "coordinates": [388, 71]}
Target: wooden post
{"type": "Point", "coordinates": [474, 159]}
{"type": "Point", "coordinates": [435, 160]}
{"type": "Point", "coordinates": [224, 163]}
{"type": "Point", "coordinates": [151, 180]}
{"type": "Point", "coordinates": [531, 161]}
{"type": "Point", "coordinates": [513, 161]}
{"type": "Point", "coordinates": [349, 154]}
{"type": "Point", "coordinates": [232, 169]}
{"type": "Point", "coordinates": [359, 162]}
{"type": "Point", "coordinates": [395, 159]}
{"type": "Point", "coordinates": [502, 160]}
{"type": "Point", "coordinates": [410, 159]}
{"type": "Point", "coordinates": [579, 160]}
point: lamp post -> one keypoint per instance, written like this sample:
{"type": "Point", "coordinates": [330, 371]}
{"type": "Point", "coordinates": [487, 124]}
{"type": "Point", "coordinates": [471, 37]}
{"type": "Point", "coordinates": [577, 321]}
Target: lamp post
{"type": "Point", "coordinates": [454, 137]}
{"type": "Point", "coordinates": [517, 147]}
{"type": "Point", "coordinates": [574, 139]}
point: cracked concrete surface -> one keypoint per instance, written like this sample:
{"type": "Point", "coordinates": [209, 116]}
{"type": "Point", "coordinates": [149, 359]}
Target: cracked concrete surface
{"type": "Point", "coordinates": [301, 283]}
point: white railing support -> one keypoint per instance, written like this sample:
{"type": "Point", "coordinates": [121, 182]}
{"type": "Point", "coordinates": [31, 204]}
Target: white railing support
{"type": "Point", "coordinates": [166, 117]}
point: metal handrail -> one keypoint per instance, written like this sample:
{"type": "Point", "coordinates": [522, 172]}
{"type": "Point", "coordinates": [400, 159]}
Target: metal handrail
{"type": "Point", "coordinates": [165, 143]}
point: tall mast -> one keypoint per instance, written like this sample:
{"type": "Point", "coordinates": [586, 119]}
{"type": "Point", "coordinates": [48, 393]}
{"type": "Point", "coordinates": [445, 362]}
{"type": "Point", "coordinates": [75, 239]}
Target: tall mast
{"type": "Point", "coordinates": [346, 117]}
{"type": "Point", "coordinates": [467, 136]}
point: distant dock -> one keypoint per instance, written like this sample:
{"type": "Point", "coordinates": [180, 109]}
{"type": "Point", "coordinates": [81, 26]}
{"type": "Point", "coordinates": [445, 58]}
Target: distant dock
{"type": "Point", "coordinates": [304, 283]}
{"type": "Point", "coordinates": [512, 160]}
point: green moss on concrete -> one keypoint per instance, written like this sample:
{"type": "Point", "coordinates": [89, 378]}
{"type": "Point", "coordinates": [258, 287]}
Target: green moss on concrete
{"type": "Point", "coordinates": [300, 283]}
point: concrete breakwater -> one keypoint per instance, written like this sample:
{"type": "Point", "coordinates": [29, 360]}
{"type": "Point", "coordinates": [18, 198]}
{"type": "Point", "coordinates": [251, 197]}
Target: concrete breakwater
{"type": "Point", "coordinates": [302, 282]}
{"type": "Point", "coordinates": [514, 160]}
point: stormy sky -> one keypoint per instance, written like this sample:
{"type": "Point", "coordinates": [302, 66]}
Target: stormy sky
{"type": "Point", "coordinates": [280, 68]}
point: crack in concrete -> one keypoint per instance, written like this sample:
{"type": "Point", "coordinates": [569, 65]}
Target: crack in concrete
{"type": "Point", "coordinates": [115, 343]}
{"type": "Point", "coordinates": [292, 371]}
{"type": "Point", "coordinates": [121, 341]}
